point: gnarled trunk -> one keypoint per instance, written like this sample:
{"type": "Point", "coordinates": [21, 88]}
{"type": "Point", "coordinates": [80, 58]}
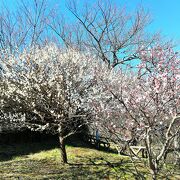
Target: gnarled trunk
{"type": "Point", "coordinates": [62, 150]}
{"type": "Point", "coordinates": [153, 168]}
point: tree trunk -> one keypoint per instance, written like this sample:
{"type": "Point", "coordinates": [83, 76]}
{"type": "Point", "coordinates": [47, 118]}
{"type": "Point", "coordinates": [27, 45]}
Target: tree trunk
{"type": "Point", "coordinates": [62, 150]}
{"type": "Point", "coordinates": [153, 163]}
{"type": "Point", "coordinates": [154, 176]}
{"type": "Point", "coordinates": [154, 170]}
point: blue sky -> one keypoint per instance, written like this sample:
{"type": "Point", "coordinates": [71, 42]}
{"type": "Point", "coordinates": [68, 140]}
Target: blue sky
{"type": "Point", "coordinates": [165, 13]}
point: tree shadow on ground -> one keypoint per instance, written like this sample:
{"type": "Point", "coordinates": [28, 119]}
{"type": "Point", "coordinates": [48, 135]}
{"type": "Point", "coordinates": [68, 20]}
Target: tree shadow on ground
{"type": "Point", "coordinates": [90, 168]}
{"type": "Point", "coordinates": [77, 141]}
{"type": "Point", "coordinates": [24, 143]}
{"type": "Point", "coordinates": [11, 149]}
{"type": "Point", "coordinates": [106, 169]}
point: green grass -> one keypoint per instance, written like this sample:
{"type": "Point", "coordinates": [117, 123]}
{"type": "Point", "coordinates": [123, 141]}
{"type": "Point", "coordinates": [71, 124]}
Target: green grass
{"type": "Point", "coordinates": [84, 163]}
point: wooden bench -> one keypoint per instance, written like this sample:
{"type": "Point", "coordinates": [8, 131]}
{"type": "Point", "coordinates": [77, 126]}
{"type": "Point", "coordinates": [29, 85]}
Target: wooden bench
{"type": "Point", "coordinates": [137, 149]}
{"type": "Point", "coordinates": [101, 142]}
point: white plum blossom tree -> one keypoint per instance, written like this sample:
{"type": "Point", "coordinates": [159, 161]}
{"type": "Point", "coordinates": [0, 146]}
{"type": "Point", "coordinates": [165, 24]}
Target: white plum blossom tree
{"type": "Point", "coordinates": [49, 88]}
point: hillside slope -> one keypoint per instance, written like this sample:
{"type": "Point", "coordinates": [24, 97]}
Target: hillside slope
{"type": "Point", "coordinates": [84, 163]}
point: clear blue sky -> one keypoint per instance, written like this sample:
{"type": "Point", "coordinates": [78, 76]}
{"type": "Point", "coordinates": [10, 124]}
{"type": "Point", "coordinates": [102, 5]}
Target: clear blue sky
{"type": "Point", "coordinates": [165, 13]}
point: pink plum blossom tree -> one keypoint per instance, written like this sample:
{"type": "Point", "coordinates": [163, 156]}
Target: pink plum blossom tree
{"type": "Point", "coordinates": [143, 104]}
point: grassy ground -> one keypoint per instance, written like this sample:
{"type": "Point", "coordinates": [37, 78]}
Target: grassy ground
{"type": "Point", "coordinates": [41, 161]}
